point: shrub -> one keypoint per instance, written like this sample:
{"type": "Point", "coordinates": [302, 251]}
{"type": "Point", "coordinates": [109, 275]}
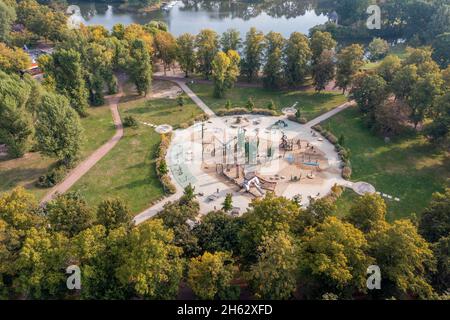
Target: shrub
{"type": "Point", "coordinates": [241, 111]}
{"type": "Point", "coordinates": [346, 172]}
{"type": "Point", "coordinates": [53, 177]}
{"type": "Point", "coordinates": [130, 122]}
{"type": "Point", "coordinates": [301, 120]}
{"type": "Point", "coordinates": [318, 128]}
{"type": "Point", "coordinates": [161, 165]}
{"type": "Point", "coordinates": [331, 137]}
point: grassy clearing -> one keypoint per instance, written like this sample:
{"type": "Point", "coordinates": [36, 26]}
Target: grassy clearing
{"type": "Point", "coordinates": [98, 128]}
{"type": "Point", "coordinates": [408, 167]}
{"type": "Point", "coordinates": [128, 171]}
{"type": "Point", "coordinates": [312, 104]}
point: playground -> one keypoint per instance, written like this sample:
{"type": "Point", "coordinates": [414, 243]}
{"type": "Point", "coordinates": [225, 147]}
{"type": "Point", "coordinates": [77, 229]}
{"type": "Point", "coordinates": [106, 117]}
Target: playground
{"type": "Point", "coordinates": [251, 155]}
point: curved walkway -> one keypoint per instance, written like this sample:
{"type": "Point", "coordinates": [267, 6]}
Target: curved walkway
{"type": "Point", "coordinates": [181, 82]}
{"type": "Point", "coordinates": [98, 154]}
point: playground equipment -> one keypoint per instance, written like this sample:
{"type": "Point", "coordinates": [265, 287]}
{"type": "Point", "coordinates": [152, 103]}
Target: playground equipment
{"type": "Point", "coordinates": [286, 145]}
{"type": "Point", "coordinates": [255, 182]}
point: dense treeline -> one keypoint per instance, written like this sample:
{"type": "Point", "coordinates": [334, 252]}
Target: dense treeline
{"type": "Point", "coordinates": [277, 248]}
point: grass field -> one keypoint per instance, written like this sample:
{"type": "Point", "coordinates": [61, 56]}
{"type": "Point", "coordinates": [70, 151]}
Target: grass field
{"type": "Point", "coordinates": [312, 104]}
{"type": "Point", "coordinates": [128, 171]}
{"type": "Point", "coordinates": [408, 168]}
{"type": "Point", "coordinates": [98, 128]}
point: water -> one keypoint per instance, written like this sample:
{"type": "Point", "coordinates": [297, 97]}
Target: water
{"type": "Point", "coordinates": [192, 16]}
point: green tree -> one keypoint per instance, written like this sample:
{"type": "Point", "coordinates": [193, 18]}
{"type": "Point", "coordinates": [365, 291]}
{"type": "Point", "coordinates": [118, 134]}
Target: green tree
{"type": "Point", "coordinates": [218, 231]}
{"type": "Point", "coordinates": [323, 70]}
{"type": "Point", "coordinates": [273, 68]}
{"type": "Point", "coordinates": [207, 44]}
{"type": "Point", "coordinates": [320, 42]}
{"type": "Point", "coordinates": [369, 91]}
{"type": "Point", "coordinates": [7, 17]}
{"type": "Point", "coordinates": [404, 257]}
{"type": "Point", "coordinates": [332, 258]}
{"type": "Point", "coordinates": [266, 216]}
{"type": "Point", "coordinates": [227, 204]}
{"type": "Point", "coordinates": [367, 212]}
{"type": "Point", "coordinates": [253, 53]}
{"type": "Point", "coordinates": [434, 222]}
{"type": "Point", "coordinates": [186, 53]}
{"type": "Point", "coordinates": [150, 263]}
{"type": "Point", "coordinates": [439, 129]}
{"type": "Point", "coordinates": [441, 277]}
{"type": "Point", "coordinates": [69, 213]}
{"type": "Point", "coordinates": [273, 276]}
{"type": "Point", "coordinates": [389, 67]}
{"type": "Point", "coordinates": [210, 275]}
{"type": "Point", "coordinates": [225, 69]}
{"type": "Point", "coordinates": [65, 66]}
{"type": "Point", "coordinates": [297, 57]}
{"type": "Point", "coordinates": [113, 213]}
{"type": "Point", "coordinates": [404, 81]}
{"type": "Point", "coordinates": [230, 40]}
{"type": "Point", "coordinates": [349, 60]}
{"type": "Point", "coordinates": [58, 129]}
{"type": "Point", "coordinates": [441, 53]}
{"type": "Point", "coordinates": [378, 49]}
{"type": "Point", "coordinates": [140, 68]}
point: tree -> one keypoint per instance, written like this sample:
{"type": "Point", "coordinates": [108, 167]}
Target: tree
{"type": "Point", "coordinates": [350, 11]}
{"type": "Point", "coordinates": [324, 70]}
{"type": "Point", "coordinates": [266, 216]}
{"type": "Point", "coordinates": [367, 212]}
{"type": "Point", "coordinates": [434, 222]}
{"type": "Point", "coordinates": [389, 67]}
{"type": "Point", "coordinates": [439, 129]}
{"type": "Point", "coordinates": [207, 44]}
{"type": "Point", "coordinates": [166, 47]}
{"type": "Point", "coordinates": [253, 50]}
{"type": "Point", "coordinates": [140, 68]}
{"type": "Point", "coordinates": [69, 213]}
{"type": "Point", "coordinates": [441, 53]}
{"type": "Point", "coordinates": [210, 275]}
{"type": "Point", "coordinates": [225, 69]}
{"type": "Point", "coordinates": [369, 91]}
{"type": "Point", "coordinates": [250, 105]}
{"type": "Point", "coordinates": [113, 213]}
{"type": "Point", "coordinates": [58, 129]}
{"type": "Point", "coordinates": [297, 57]}
{"type": "Point", "coordinates": [66, 68]}
{"type": "Point", "coordinates": [186, 53]}
{"type": "Point", "coordinates": [15, 118]}
{"type": "Point", "coordinates": [441, 277]}
{"type": "Point", "coordinates": [320, 42]}
{"type": "Point", "coordinates": [218, 231]}
{"type": "Point", "coordinates": [332, 258]}
{"type": "Point", "coordinates": [273, 276]}
{"type": "Point", "coordinates": [150, 263]}
{"type": "Point", "coordinates": [227, 204]}
{"type": "Point", "coordinates": [13, 60]}
{"type": "Point", "coordinates": [349, 60]}
{"type": "Point", "coordinates": [404, 258]}
{"type": "Point", "coordinates": [230, 40]}
{"type": "Point", "coordinates": [273, 68]}
{"type": "Point", "coordinates": [378, 49]}
{"type": "Point", "coordinates": [7, 17]}
{"type": "Point", "coordinates": [404, 81]}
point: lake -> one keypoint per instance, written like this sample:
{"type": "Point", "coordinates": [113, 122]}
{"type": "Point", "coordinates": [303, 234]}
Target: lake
{"type": "Point", "coordinates": [192, 16]}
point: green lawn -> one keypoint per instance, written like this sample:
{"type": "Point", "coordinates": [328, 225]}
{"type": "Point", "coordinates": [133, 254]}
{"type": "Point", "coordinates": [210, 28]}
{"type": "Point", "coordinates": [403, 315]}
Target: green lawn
{"type": "Point", "coordinates": [408, 168]}
{"type": "Point", "coordinates": [128, 171]}
{"type": "Point", "coordinates": [312, 104]}
{"type": "Point", "coordinates": [98, 128]}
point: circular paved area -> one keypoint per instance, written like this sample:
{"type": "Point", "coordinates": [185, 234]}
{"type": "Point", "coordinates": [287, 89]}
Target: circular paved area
{"type": "Point", "coordinates": [363, 188]}
{"type": "Point", "coordinates": [164, 128]}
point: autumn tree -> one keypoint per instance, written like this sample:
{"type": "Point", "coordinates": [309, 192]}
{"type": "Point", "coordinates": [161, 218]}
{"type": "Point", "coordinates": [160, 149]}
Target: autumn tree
{"type": "Point", "coordinates": [320, 42]}
{"type": "Point", "coordinates": [349, 60]}
{"type": "Point", "coordinates": [13, 60]}
{"type": "Point", "coordinates": [225, 70]}
{"type": "Point", "coordinates": [273, 276]}
{"type": "Point", "coordinates": [367, 212]}
{"type": "Point", "coordinates": [113, 213]}
{"type": "Point", "coordinates": [378, 49]}
{"type": "Point", "coordinates": [207, 45]}
{"type": "Point", "coordinates": [332, 258]}
{"type": "Point", "coordinates": [434, 222]}
{"type": "Point", "coordinates": [405, 259]}
{"type": "Point", "coordinates": [186, 53]}
{"type": "Point", "coordinates": [253, 53]}
{"type": "Point", "coordinates": [389, 67]}
{"type": "Point", "coordinates": [210, 275]}
{"type": "Point", "coordinates": [165, 48]}
{"type": "Point", "coordinates": [297, 58]}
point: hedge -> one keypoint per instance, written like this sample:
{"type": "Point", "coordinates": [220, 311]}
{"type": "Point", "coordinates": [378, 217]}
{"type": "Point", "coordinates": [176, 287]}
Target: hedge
{"type": "Point", "coordinates": [165, 180]}
{"type": "Point", "coordinates": [241, 111]}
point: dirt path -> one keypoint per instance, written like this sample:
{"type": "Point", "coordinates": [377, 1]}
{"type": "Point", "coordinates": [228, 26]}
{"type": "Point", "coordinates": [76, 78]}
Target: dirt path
{"type": "Point", "coordinates": [98, 154]}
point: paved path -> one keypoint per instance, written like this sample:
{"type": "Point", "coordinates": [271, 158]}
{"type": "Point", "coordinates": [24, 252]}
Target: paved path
{"type": "Point", "coordinates": [329, 114]}
{"type": "Point", "coordinates": [88, 163]}
{"type": "Point", "coordinates": [194, 97]}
